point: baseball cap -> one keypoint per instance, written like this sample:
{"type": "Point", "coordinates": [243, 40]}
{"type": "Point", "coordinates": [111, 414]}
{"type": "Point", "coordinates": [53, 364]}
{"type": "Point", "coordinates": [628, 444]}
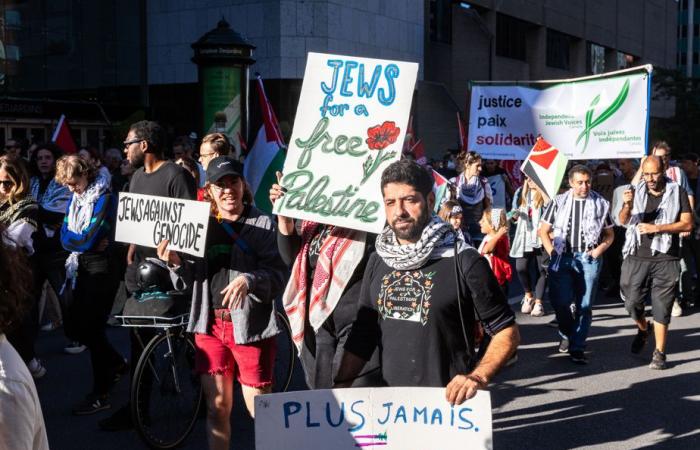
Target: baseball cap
{"type": "Point", "coordinates": [222, 166]}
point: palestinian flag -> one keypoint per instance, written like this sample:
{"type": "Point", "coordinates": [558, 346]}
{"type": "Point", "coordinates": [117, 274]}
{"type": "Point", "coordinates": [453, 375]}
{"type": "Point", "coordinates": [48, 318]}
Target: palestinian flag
{"type": "Point", "coordinates": [546, 166]}
{"type": "Point", "coordinates": [439, 188]}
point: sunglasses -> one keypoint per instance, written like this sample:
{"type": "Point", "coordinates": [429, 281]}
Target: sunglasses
{"type": "Point", "coordinates": [7, 183]}
{"type": "Point", "coordinates": [133, 141]}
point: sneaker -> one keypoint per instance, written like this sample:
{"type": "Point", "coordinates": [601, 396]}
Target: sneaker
{"type": "Point", "coordinates": [578, 357]}
{"type": "Point", "coordinates": [92, 404]}
{"type": "Point", "coordinates": [74, 348]}
{"type": "Point", "coordinates": [658, 361]}
{"type": "Point", "coordinates": [36, 368]}
{"type": "Point", "coordinates": [527, 303]}
{"type": "Point", "coordinates": [119, 421]}
{"type": "Point", "coordinates": [677, 309]}
{"type": "Point", "coordinates": [641, 339]}
{"type": "Point", "coordinates": [564, 346]}
{"type": "Point", "coordinates": [537, 310]}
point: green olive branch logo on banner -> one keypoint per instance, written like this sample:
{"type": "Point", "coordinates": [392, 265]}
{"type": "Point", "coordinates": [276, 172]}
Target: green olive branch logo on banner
{"type": "Point", "coordinates": [605, 115]}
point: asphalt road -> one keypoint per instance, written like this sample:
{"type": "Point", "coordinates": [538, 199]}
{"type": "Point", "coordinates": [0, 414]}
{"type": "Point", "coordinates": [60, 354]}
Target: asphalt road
{"type": "Point", "coordinates": [544, 401]}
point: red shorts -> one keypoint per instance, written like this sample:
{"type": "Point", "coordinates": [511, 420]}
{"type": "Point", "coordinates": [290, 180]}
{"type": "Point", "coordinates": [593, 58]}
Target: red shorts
{"type": "Point", "coordinates": [218, 353]}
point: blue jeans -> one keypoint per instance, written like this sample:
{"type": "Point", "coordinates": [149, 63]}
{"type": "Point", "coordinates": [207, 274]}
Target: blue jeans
{"type": "Point", "coordinates": [576, 282]}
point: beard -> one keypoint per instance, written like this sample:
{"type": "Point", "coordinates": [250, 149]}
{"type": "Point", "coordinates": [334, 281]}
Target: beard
{"type": "Point", "coordinates": [411, 229]}
{"type": "Point", "coordinates": [138, 160]}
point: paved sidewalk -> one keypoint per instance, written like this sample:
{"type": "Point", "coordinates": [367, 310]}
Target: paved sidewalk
{"type": "Point", "coordinates": [544, 401]}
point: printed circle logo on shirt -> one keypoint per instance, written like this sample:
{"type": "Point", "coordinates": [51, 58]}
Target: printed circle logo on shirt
{"type": "Point", "coordinates": [405, 295]}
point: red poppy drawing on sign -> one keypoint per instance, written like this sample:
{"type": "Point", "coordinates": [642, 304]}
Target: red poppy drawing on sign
{"type": "Point", "coordinates": [381, 136]}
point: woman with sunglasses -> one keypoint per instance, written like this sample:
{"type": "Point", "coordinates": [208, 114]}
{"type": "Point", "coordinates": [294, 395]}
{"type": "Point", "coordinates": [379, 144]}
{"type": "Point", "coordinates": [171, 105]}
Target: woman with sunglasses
{"type": "Point", "coordinates": [18, 215]}
{"type": "Point", "coordinates": [233, 313]}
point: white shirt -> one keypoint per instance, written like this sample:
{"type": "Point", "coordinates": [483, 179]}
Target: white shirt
{"type": "Point", "coordinates": [21, 422]}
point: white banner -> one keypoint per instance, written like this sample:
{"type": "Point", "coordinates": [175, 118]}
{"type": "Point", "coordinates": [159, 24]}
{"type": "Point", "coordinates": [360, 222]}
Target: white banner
{"type": "Point", "coordinates": [594, 118]}
{"type": "Point", "coordinates": [147, 220]}
{"type": "Point", "coordinates": [350, 124]}
{"type": "Point", "coordinates": [387, 418]}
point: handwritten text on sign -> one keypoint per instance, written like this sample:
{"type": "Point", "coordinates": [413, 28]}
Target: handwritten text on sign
{"type": "Point", "coordinates": [147, 220]}
{"type": "Point", "coordinates": [391, 418]}
{"type": "Point", "coordinates": [350, 124]}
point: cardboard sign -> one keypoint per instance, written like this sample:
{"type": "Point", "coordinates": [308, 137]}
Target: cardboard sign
{"type": "Point", "coordinates": [601, 117]}
{"type": "Point", "coordinates": [147, 220]}
{"type": "Point", "coordinates": [350, 124]}
{"type": "Point", "coordinates": [388, 418]}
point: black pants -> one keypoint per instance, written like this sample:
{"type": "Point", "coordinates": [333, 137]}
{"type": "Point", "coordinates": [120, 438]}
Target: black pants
{"type": "Point", "coordinates": [639, 276]}
{"type": "Point", "coordinates": [23, 337]}
{"type": "Point", "coordinates": [88, 306]}
{"type": "Point", "coordinates": [523, 266]}
{"type": "Point", "coordinates": [322, 353]}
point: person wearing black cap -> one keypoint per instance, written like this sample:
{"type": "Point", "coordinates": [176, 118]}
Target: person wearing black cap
{"type": "Point", "coordinates": [232, 313]}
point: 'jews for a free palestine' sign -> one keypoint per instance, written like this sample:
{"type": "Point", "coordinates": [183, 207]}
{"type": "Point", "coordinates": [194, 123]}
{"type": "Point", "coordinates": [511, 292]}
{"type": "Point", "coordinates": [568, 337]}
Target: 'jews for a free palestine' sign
{"type": "Point", "coordinates": [601, 117]}
{"type": "Point", "coordinates": [350, 124]}
{"type": "Point", "coordinates": [402, 418]}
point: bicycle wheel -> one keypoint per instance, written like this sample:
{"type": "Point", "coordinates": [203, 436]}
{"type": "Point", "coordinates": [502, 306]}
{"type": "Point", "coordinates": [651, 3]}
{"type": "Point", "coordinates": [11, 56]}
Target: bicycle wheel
{"type": "Point", "coordinates": [165, 393]}
{"type": "Point", "coordinates": [284, 359]}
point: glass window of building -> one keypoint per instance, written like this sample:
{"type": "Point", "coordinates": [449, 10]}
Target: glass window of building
{"type": "Point", "coordinates": [441, 21]}
{"type": "Point", "coordinates": [511, 37]}
{"type": "Point", "coordinates": [558, 45]}
{"type": "Point", "coordinates": [596, 58]}
{"type": "Point", "coordinates": [624, 60]}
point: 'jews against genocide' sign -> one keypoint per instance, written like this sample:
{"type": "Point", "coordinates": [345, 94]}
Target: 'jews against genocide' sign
{"type": "Point", "coordinates": [147, 220]}
{"type": "Point", "coordinates": [593, 118]}
{"type": "Point", "coordinates": [385, 418]}
{"type": "Point", "coordinates": [350, 124]}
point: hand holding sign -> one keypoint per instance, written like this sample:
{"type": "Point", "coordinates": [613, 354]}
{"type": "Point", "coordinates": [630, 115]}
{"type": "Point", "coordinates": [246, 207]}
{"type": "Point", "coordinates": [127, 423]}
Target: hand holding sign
{"type": "Point", "coordinates": [165, 254]}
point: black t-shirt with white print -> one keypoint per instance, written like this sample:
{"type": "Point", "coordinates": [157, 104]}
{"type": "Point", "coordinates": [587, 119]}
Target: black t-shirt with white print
{"type": "Point", "coordinates": [575, 241]}
{"type": "Point", "coordinates": [651, 212]}
{"type": "Point", "coordinates": [413, 316]}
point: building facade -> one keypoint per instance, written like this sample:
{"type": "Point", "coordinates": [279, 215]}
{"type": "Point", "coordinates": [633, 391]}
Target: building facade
{"type": "Point", "coordinates": [137, 53]}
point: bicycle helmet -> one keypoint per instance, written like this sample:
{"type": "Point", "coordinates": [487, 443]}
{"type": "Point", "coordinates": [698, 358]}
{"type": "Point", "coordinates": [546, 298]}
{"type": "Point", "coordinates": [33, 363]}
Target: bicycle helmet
{"type": "Point", "coordinates": [153, 275]}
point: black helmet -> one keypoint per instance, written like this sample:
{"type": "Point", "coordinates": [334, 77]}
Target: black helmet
{"type": "Point", "coordinates": [153, 275]}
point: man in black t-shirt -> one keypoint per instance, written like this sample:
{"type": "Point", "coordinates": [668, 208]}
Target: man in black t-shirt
{"type": "Point", "coordinates": [144, 148]}
{"type": "Point", "coordinates": [415, 308]}
{"type": "Point", "coordinates": [655, 214]}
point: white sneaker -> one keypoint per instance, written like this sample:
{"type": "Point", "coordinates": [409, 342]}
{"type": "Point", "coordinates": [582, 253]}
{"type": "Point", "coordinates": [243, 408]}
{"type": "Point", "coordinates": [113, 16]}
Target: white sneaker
{"type": "Point", "coordinates": [526, 307]}
{"type": "Point", "coordinates": [677, 309]}
{"type": "Point", "coordinates": [537, 310]}
{"type": "Point", "coordinates": [36, 368]}
{"type": "Point", "coordinates": [74, 348]}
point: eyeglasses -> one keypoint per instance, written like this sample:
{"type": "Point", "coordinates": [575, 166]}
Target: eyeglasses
{"type": "Point", "coordinates": [133, 141]}
{"type": "Point", "coordinates": [7, 183]}
{"type": "Point", "coordinates": [221, 185]}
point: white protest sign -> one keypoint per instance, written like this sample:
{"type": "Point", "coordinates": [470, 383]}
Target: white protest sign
{"type": "Point", "coordinates": [403, 418]}
{"type": "Point", "coordinates": [594, 118]}
{"type": "Point", "coordinates": [147, 220]}
{"type": "Point", "coordinates": [350, 124]}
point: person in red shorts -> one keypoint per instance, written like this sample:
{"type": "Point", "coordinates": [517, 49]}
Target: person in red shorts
{"type": "Point", "coordinates": [232, 311]}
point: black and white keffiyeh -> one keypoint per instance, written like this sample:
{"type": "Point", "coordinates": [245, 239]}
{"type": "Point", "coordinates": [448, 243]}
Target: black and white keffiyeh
{"type": "Point", "coordinates": [436, 241]}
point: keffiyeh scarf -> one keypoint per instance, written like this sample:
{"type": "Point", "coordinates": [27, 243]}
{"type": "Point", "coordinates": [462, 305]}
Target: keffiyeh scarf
{"type": "Point", "coordinates": [78, 218]}
{"type": "Point", "coordinates": [668, 211]}
{"type": "Point", "coordinates": [471, 191]}
{"type": "Point", "coordinates": [436, 241]}
{"type": "Point", "coordinates": [339, 256]}
{"type": "Point", "coordinates": [595, 211]}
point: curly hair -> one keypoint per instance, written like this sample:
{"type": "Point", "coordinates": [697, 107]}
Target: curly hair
{"type": "Point", "coordinates": [70, 167]}
{"type": "Point", "coordinates": [15, 284]}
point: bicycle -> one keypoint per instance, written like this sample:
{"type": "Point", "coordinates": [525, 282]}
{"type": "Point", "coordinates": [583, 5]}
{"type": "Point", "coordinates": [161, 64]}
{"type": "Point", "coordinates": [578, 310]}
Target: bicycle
{"type": "Point", "coordinates": [166, 394]}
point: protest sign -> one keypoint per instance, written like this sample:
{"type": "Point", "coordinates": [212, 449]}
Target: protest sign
{"type": "Point", "coordinates": [545, 166]}
{"type": "Point", "coordinates": [600, 117]}
{"type": "Point", "coordinates": [393, 418]}
{"type": "Point", "coordinates": [350, 124]}
{"type": "Point", "coordinates": [147, 220]}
